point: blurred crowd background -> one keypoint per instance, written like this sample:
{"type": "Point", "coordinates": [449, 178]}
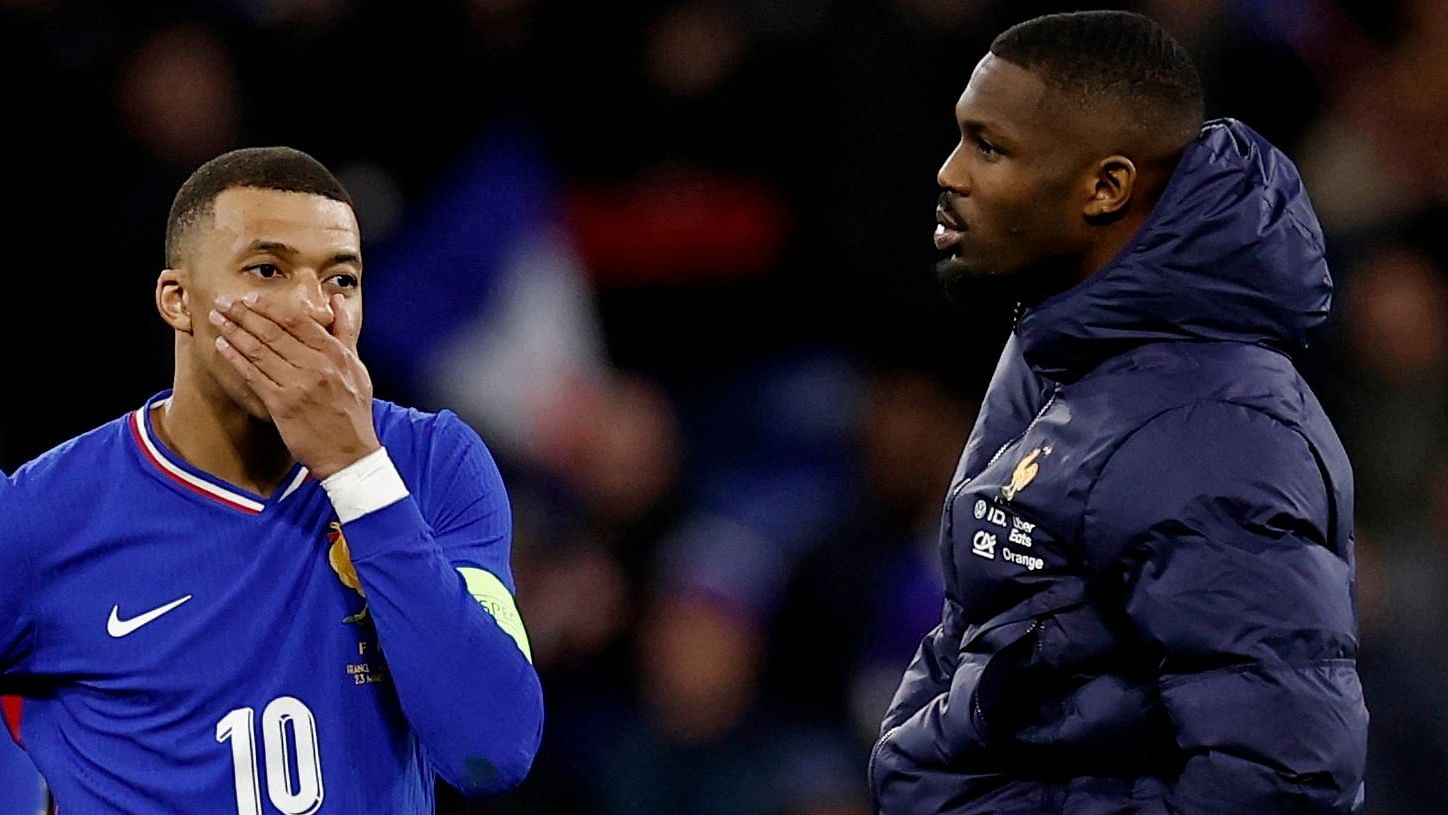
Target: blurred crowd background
{"type": "Point", "coordinates": [672, 260]}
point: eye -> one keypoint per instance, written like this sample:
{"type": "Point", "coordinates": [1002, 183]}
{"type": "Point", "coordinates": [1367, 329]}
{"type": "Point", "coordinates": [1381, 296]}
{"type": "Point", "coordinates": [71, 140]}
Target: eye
{"type": "Point", "coordinates": [345, 281]}
{"type": "Point", "coordinates": [265, 271]}
{"type": "Point", "coordinates": [985, 148]}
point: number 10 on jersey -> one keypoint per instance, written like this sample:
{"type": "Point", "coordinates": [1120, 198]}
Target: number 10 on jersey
{"type": "Point", "coordinates": [283, 714]}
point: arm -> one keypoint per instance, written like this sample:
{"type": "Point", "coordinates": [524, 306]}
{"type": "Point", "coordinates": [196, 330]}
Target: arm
{"type": "Point", "coordinates": [16, 629]}
{"type": "Point", "coordinates": [462, 674]}
{"type": "Point", "coordinates": [443, 606]}
{"type": "Point", "coordinates": [930, 672]}
{"type": "Point", "coordinates": [1230, 579]}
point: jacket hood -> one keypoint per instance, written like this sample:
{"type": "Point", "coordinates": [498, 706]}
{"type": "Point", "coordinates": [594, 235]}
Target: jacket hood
{"type": "Point", "coordinates": [1233, 251]}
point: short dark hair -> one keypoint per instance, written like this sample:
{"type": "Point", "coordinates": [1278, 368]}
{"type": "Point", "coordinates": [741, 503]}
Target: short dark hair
{"type": "Point", "coordinates": [265, 168]}
{"type": "Point", "coordinates": [1111, 54]}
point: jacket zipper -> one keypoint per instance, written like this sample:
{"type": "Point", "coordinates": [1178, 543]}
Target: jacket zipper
{"type": "Point", "coordinates": [874, 757]}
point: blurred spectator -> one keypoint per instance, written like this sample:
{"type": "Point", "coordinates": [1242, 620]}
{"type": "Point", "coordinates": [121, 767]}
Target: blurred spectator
{"type": "Point", "coordinates": [705, 742]}
{"type": "Point", "coordinates": [1395, 386]}
{"type": "Point", "coordinates": [178, 97]}
{"type": "Point", "coordinates": [859, 603]}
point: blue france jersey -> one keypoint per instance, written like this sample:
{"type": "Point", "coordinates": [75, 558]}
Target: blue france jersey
{"type": "Point", "coordinates": [185, 646]}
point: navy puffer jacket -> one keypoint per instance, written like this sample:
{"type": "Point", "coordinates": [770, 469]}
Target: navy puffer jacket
{"type": "Point", "coordinates": [1148, 543]}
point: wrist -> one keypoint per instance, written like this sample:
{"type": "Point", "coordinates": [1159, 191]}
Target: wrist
{"type": "Point", "coordinates": [327, 468]}
{"type": "Point", "coordinates": [366, 485]}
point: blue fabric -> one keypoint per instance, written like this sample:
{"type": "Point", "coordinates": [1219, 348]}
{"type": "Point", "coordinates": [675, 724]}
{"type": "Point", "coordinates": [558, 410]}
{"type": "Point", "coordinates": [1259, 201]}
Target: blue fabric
{"type": "Point", "coordinates": [21, 792]}
{"type": "Point", "coordinates": [274, 645]}
{"type": "Point", "coordinates": [1148, 542]}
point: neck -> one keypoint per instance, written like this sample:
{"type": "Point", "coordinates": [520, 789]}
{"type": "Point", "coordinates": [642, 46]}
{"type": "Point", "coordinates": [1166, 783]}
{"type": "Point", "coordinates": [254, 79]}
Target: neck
{"type": "Point", "coordinates": [207, 429]}
{"type": "Point", "coordinates": [1060, 274]}
{"type": "Point", "coordinates": [1110, 242]}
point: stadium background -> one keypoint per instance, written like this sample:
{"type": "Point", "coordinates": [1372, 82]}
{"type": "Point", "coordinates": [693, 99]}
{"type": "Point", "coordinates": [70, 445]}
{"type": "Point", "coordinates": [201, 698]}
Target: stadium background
{"type": "Point", "coordinates": [672, 259]}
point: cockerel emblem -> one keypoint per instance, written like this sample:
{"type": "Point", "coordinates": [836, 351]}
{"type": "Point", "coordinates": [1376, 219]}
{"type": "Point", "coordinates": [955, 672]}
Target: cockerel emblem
{"type": "Point", "coordinates": [1025, 472]}
{"type": "Point", "coordinates": [341, 559]}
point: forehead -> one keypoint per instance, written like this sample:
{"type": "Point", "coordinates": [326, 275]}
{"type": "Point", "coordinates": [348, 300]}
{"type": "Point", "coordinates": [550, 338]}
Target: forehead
{"type": "Point", "coordinates": [1009, 99]}
{"type": "Point", "coordinates": [310, 223]}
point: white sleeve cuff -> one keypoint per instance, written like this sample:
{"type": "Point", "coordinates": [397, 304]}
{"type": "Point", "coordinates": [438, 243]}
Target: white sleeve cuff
{"type": "Point", "coordinates": [366, 485]}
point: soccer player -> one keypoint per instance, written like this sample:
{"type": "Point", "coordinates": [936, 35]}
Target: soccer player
{"type": "Point", "coordinates": [1148, 541]}
{"type": "Point", "coordinates": [264, 591]}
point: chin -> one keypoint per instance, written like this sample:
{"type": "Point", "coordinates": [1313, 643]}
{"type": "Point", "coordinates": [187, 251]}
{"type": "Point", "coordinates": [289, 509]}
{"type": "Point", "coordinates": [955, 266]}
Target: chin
{"type": "Point", "coordinates": [963, 281]}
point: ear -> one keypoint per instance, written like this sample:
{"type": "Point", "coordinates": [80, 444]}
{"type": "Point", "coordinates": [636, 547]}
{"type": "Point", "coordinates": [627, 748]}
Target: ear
{"type": "Point", "coordinates": [172, 299]}
{"type": "Point", "coordinates": [1111, 189]}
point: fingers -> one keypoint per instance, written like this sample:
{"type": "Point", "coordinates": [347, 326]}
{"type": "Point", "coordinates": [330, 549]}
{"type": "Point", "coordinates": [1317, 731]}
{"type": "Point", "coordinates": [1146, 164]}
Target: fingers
{"type": "Point", "coordinates": [279, 323]}
{"type": "Point", "coordinates": [238, 340]}
{"type": "Point", "coordinates": [261, 384]}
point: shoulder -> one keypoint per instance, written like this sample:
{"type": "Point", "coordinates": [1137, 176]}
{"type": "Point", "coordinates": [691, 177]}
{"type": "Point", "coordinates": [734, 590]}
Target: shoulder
{"type": "Point", "coordinates": [1207, 465]}
{"type": "Point", "coordinates": [61, 486]}
{"type": "Point", "coordinates": [74, 467]}
{"type": "Point", "coordinates": [434, 451]}
{"type": "Point", "coordinates": [79, 454]}
{"type": "Point", "coordinates": [412, 434]}
{"type": "Point", "coordinates": [1159, 376]}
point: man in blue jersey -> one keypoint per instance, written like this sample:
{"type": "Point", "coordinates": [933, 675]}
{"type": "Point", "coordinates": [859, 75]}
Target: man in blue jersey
{"type": "Point", "coordinates": [1147, 545]}
{"type": "Point", "coordinates": [265, 591]}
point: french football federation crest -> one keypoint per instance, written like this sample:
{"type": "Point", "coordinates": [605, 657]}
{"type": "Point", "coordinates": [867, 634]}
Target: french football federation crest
{"type": "Point", "coordinates": [341, 559]}
{"type": "Point", "coordinates": [1025, 472]}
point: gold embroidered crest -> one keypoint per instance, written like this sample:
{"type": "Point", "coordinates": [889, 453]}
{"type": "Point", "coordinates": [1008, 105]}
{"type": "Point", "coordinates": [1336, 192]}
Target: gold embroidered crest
{"type": "Point", "coordinates": [1025, 472]}
{"type": "Point", "coordinates": [341, 560]}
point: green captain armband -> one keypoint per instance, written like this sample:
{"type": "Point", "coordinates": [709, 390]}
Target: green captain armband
{"type": "Point", "coordinates": [494, 597]}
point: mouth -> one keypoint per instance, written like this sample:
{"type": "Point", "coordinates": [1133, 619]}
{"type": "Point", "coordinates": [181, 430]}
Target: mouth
{"type": "Point", "coordinates": [948, 230]}
{"type": "Point", "coordinates": [947, 238]}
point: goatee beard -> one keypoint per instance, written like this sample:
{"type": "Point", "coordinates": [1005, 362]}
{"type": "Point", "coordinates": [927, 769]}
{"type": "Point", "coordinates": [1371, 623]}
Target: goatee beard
{"type": "Point", "coordinates": [1023, 287]}
{"type": "Point", "coordinates": [965, 287]}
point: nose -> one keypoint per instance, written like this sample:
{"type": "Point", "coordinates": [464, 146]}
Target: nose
{"type": "Point", "coordinates": [952, 175]}
{"type": "Point", "coordinates": [312, 301]}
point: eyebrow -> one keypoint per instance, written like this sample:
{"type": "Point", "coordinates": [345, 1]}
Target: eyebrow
{"type": "Point", "coordinates": [278, 248]}
{"type": "Point", "coordinates": [992, 131]}
{"type": "Point", "coordinates": [977, 126]}
{"type": "Point", "coordinates": [274, 247]}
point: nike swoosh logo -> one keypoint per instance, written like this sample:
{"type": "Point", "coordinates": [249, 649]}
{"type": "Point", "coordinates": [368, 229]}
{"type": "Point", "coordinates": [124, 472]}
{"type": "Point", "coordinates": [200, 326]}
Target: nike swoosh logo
{"type": "Point", "coordinates": [118, 628]}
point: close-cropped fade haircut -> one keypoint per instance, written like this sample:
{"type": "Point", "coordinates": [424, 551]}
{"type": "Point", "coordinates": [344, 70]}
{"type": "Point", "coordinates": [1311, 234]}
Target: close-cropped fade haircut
{"type": "Point", "coordinates": [265, 168]}
{"type": "Point", "coordinates": [1112, 56]}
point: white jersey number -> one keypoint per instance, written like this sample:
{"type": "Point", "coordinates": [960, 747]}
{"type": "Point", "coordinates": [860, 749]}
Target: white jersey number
{"type": "Point", "coordinates": [283, 711]}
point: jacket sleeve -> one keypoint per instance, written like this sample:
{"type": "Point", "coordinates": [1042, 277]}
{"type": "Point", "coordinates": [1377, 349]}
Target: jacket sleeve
{"type": "Point", "coordinates": [930, 672]}
{"type": "Point", "coordinates": [440, 595]}
{"type": "Point", "coordinates": [1220, 516]}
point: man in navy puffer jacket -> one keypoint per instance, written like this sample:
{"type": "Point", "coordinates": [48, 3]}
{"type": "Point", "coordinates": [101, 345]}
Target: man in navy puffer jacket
{"type": "Point", "coordinates": [1148, 542]}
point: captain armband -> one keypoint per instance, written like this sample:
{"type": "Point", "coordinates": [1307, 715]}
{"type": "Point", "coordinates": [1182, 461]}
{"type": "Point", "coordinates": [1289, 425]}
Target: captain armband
{"type": "Point", "coordinates": [494, 597]}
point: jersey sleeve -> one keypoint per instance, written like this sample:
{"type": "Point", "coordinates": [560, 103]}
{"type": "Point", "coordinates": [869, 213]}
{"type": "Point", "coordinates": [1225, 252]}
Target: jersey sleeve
{"type": "Point", "coordinates": [434, 567]}
{"type": "Point", "coordinates": [16, 627]}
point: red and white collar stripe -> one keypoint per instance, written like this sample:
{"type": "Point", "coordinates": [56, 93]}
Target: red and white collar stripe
{"type": "Point", "coordinates": [195, 483]}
